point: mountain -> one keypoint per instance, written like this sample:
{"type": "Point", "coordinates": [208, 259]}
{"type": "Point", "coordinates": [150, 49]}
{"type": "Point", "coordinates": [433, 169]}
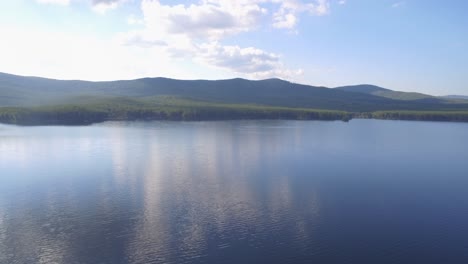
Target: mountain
{"type": "Point", "coordinates": [383, 92]}
{"type": "Point", "coordinates": [462, 97]}
{"type": "Point", "coordinates": [35, 100]}
{"type": "Point", "coordinates": [33, 91]}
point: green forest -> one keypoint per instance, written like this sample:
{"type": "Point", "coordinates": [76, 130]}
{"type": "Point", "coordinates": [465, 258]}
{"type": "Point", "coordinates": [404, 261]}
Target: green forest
{"type": "Point", "coordinates": [177, 110]}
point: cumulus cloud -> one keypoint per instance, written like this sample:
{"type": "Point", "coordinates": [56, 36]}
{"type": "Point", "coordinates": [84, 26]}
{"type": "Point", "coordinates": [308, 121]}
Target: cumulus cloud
{"type": "Point", "coordinates": [209, 19]}
{"type": "Point", "coordinates": [165, 35]}
{"type": "Point", "coordinates": [57, 2]}
{"type": "Point", "coordinates": [252, 62]}
{"type": "Point", "coordinates": [215, 19]}
{"type": "Point", "coordinates": [241, 60]}
{"type": "Point", "coordinates": [287, 15]}
{"type": "Point", "coordinates": [284, 19]}
{"type": "Point", "coordinates": [195, 32]}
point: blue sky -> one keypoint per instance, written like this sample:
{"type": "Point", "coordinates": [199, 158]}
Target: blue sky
{"type": "Point", "coordinates": [410, 45]}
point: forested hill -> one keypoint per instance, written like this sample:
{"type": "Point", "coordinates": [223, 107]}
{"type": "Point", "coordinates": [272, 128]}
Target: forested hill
{"type": "Point", "coordinates": [27, 91]}
{"type": "Point", "coordinates": [112, 99]}
{"type": "Point", "coordinates": [459, 97]}
{"type": "Point", "coordinates": [383, 92]}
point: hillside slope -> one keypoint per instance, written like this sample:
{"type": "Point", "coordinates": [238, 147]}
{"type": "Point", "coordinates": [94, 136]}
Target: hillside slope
{"type": "Point", "coordinates": [387, 93]}
{"type": "Point", "coordinates": [33, 91]}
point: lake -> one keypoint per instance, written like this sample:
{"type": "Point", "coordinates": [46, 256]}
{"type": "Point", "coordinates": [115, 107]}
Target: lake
{"type": "Point", "coordinates": [366, 191]}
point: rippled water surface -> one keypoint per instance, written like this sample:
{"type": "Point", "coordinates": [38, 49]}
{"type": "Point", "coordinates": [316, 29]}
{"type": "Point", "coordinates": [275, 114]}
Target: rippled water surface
{"type": "Point", "coordinates": [366, 191]}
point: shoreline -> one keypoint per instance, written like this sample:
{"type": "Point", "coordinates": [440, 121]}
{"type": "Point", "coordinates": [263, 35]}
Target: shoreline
{"type": "Point", "coordinates": [76, 114]}
{"type": "Point", "coordinates": [85, 123]}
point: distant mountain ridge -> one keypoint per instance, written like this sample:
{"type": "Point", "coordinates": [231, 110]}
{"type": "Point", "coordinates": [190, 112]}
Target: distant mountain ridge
{"type": "Point", "coordinates": [464, 97]}
{"type": "Point", "coordinates": [363, 88]}
{"type": "Point", "coordinates": [42, 101]}
{"type": "Point", "coordinates": [383, 92]}
{"type": "Point", "coordinates": [35, 91]}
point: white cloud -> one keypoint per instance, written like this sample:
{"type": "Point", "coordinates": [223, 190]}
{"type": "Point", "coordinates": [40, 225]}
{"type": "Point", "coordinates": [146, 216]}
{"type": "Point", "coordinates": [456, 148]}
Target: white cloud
{"type": "Point", "coordinates": [320, 8]}
{"type": "Point", "coordinates": [168, 38]}
{"type": "Point", "coordinates": [251, 62]}
{"type": "Point", "coordinates": [342, 2]}
{"type": "Point", "coordinates": [240, 60]}
{"type": "Point", "coordinates": [36, 52]}
{"type": "Point", "coordinates": [133, 20]}
{"type": "Point", "coordinates": [139, 41]}
{"type": "Point", "coordinates": [209, 19]}
{"type": "Point", "coordinates": [285, 20]}
{"type": "Point", "coordinates": [194, 32]}
{"type": "Point", "coordinates": [57, 2]}
{"type": "Point", "coordinates": [215, 19]}
{"type": "Point", "coordinates": [106, 2]}
{"type": "Point", "coordinates": [102, 6]}
{"type": "Point", "coordinates": [287, 15]}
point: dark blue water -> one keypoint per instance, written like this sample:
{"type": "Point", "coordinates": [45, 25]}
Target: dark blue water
{"type": "Point", "coordinates": [366, 191]}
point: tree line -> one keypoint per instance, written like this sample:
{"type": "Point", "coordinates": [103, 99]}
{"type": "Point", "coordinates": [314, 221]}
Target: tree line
{"type": "Point", "coordinates": [82, 115]}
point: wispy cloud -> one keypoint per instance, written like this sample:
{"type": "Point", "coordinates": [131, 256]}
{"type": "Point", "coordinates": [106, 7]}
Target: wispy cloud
{"type": "Point", "coordinates": [102, 6]}
{"type": "Point", "coordinates": [398, 4]}
{"type": "Point", "coordinates": [137, 40]}
{"type": "Point", "coordinates": [57, 2]}
{"type": "Point", "coordinates": [287, 15]}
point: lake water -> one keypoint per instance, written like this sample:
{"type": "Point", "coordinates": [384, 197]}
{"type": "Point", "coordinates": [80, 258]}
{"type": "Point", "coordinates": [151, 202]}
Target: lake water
{"type": "Point", "coordinates": [366, 191]}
